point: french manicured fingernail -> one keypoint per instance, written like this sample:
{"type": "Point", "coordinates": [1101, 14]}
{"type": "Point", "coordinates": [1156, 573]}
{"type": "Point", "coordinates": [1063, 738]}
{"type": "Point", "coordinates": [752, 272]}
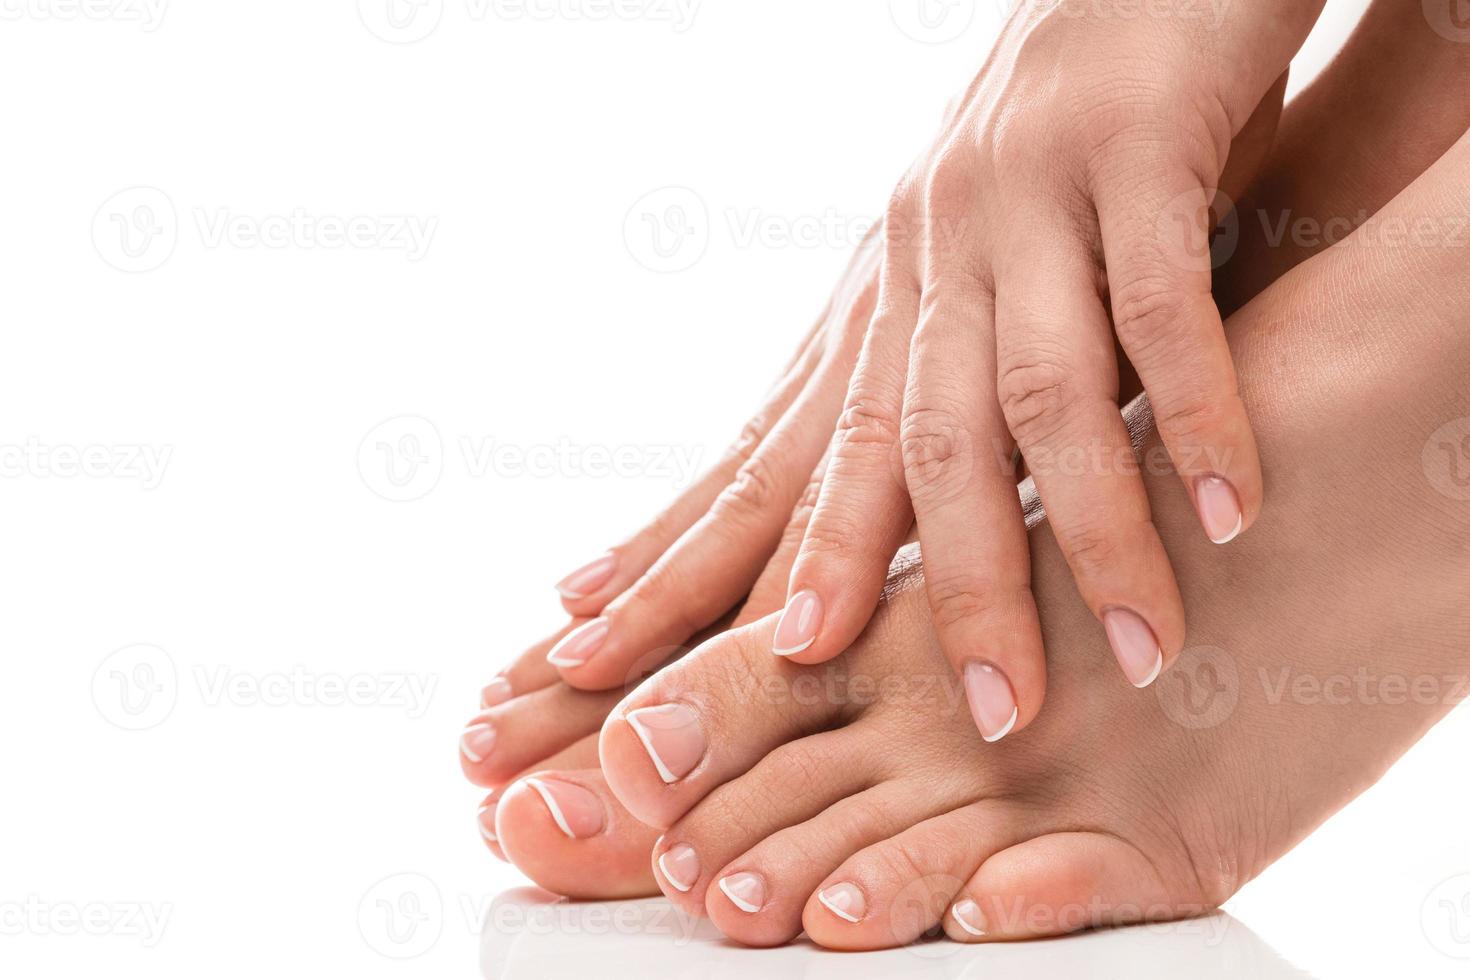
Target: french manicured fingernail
{"type": "Point", "coordinates": [992, 702]}
{"type": "Point", "coordinates": [844, 900]}
{"type": "Point", "coordinates": [1135, 646]}
{"type": "Point", "coordinates": [747, 891]}
{"type": "Point", "coordinates": [589, 578]}
{"type": "Point", "coordinates": [969, 916]}
{"type": "Point", "coordinates": [1219, 508]}
{"type": "Point", "coordinates": [576, 811]}
{"type": "Point", "coordinates": [799, 623]}
{"type": "Point", "coordinates": [672, 736]}
{"type": "Point", "coordinates": [486, 818]}
{"type": "Point", "coordinates": [496, 692]}
{"type": "Point", "coordinates": [578, 646]}
{"type": "Point", "coordinates": [680, 866]}
{"type": "Point", "coordinates": [476, 742]}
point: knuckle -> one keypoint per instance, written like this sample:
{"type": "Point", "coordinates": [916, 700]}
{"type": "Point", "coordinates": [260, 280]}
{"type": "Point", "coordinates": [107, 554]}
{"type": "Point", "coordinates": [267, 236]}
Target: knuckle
{"type": "Point", "coordinates": [937, 452]}
{"type": "Point", "coordinates": [752, 434]}
{"type": "Point", "coordinates": [1190, 423]}
{"type": "Point", "coordinates": [1036, 396]}
{"type": "Point", "coordinates": [866, 423]}
{"type": "Point", "coordinates": [957, 599]}
{"type": "Point", "coordinates": [1090, 550]}
{"type": "Point", "coordinates": [1149, 309]}
{"type": "Point", "coordinates": [829, 539]}
{"type": "Point", "coordinates": [754, 492]}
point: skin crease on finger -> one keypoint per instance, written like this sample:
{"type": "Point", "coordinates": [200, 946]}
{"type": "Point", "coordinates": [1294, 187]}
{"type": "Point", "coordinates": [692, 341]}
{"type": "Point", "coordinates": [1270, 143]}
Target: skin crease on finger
{"type": "Point", "coordinates": [1313, 162]}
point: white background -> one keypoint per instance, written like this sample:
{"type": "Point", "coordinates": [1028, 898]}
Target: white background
{"type": "Point", "coordinates": [249, 354]}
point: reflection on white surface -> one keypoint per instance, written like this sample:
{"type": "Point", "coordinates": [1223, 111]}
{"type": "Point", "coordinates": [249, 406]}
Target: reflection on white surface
{"type": "Point", "coordinates": [531, 935]}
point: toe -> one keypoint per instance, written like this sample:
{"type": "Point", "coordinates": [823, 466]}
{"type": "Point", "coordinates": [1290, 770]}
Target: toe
{"type": "Point", "coordinates": [500, 742]}
{"type": "Point", "coordinates": [528, 672]}
{"type": "Point", "coordinates": [1060, 883]}
{"type": "Point", "coordinates": [791, 863]}
{"type": "Point", "coordinates": [893, 892]}
{"type": "Point", "coordinates": [710, 718]}
{"type": "Point", "coordinates": [567, 833]}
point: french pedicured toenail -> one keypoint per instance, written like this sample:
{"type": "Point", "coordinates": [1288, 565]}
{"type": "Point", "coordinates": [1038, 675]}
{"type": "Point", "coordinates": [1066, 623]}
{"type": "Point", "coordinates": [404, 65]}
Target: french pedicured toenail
{"type": "Point", "coordinates": [671, 735]}
{"type": "Point", "coordinates": [578, 646]}
{"type": "Point", "coordinates": [1135, 646]}
{"type": "Point", "coordinates": [1218, 506]}
{"type": "Point", "coordinates": [992, 702]}
{"type": "Point", "coordinates": [577, 812]}
{"type": "Point", "coordinates": [477, 741]}
{"type": "Point", "coordinates": [966, 913]}
{"type": "Point", "coordinates": [589, 578]}
{"type": "Point", "coordinates": [746, 891]}
{"type": "Point", "coordinates": [496, 692]}
{"type": "Point", "coordinates": [799, 623]}
{"type": "Point", "coordinates": [486, 819]}
{"type": "Point", "coordinates": [844, 900]}
{"type": "Point", "coordinates": [680, 866]}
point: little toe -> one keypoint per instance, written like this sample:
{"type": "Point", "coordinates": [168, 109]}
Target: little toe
{"type": "Point", "coordinates": [894, 891]}
{"type": "Point", "coordinates": [567, 833]}
{"type": "Point", "coordinates": [710, 718]}
{"type": "Point", "coordinates": [500, 742]}
{"type": "Point", "coordinates": [1060, 883]}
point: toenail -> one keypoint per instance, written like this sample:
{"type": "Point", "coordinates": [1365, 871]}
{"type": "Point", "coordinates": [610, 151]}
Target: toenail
{"type": "Point", "coordinates": [671, 735]}
{"type": "Point", "coordinates": [967, 913]}
{"type": "Point", "coordinates": [477, 741]}
{"type": "Point", "coordinates": [799, 623]}
{"type": "Point", "coordinates": [680, 866]}
{"type": "Point", "coordinates": [486, 819]}
{"type": "Point", "coordinates": [579, 645]}
{"type": "Point", "coordinates": [1135, 646]}
{"type": "Point", "coordinates": [745, 890]}
{"type": "Point", "coordinates": [1219, 508]}
{"type": "Point", "coordinates": [496, 692]}
{"type": "Point", "coordinates": [844, 900]}
{"type": "Point", "coordinates": [589, 578]}
{"type": "Point", "coordinates": [577, 812]}
{"type": "Point", "coordinates": [992, 702]}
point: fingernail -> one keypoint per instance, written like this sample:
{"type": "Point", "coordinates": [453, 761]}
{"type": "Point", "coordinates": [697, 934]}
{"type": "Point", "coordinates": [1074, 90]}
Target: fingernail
{"type": "Point", "coordinates": [799, 623]}
{"type": "Point", "coordinates": [747, 891]}
{"type": "Point", "coordinates": [671, 735]}
{"type": "Point", "coordinates": [579, 645]}
{"type": "Point", "coordinates": [992, 702]}
{"type": "Point", "coordinates": [1219, 508]}
{"type": "Point", "coordinates": [477, 741]}
{"type": "Point", "coordinates": [680, 866]}
{"type": "Point", "coordinates": [589, 578]}
{"type": "Point", "coordinates": [1135, 646]}
{"type": "Point", "coordinates": [496, 692]}
{"type": "Point", "coordinates": [576, 811]}
{"type": "Point", "coordinates": [967, 913]}
{"type": "Point", "coordinates": [486, 819]}
{"type": "Point", "coordinates": [844, 900]}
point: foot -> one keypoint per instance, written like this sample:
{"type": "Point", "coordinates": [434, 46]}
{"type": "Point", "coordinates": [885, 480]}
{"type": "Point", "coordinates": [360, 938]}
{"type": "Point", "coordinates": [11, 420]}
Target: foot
{"type": "Point", "coordinates": [856, 801]}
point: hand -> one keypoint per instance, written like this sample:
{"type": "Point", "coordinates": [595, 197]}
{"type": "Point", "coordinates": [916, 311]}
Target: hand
{"type": "Point", "coordinates": [1057, 191]}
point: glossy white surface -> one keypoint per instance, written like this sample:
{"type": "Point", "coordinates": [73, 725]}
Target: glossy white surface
{"type": "Point", "coordinates": [230, 699]}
